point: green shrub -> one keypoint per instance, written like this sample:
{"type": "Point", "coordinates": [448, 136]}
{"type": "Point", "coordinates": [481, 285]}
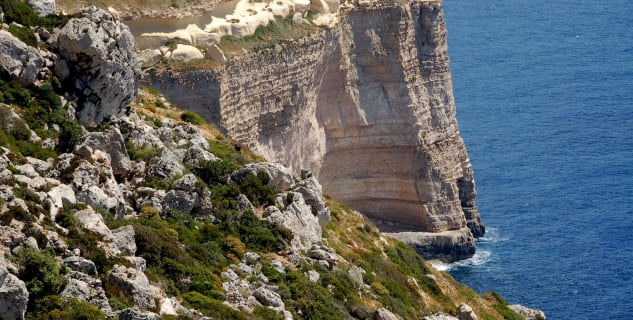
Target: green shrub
{"type": "Point", "coordinates": [57, 308]}
{"type": "Point", "coordinates": [256, 188]}
{"type": "Point", "coordinates": [24, 33]}
{"type": "Point", "coordinates": [41, 274]}
{"type": "Point", "coordinates": [265, 313]}
{"type": "Point", "coordinates": [20, 12]}
{"type": "Point", "coordinates": [192, 117]}
{"type": "Point", "coordinates": [211, 307]}
{"type": "Point", "coordinates": [84, 240]}
{"type": "Point", "coordinates": [143, 154]}
{"type": "Point", "coordinates": [214, 171]}
{"type": "Point", "coordinates": [70, 135]}
{"type": "Point", "coordinates": [255, 233]}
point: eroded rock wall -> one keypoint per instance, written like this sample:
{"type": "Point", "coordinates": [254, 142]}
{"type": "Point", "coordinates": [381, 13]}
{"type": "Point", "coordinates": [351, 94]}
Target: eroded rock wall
{"type": "Point", "coordinates": [367, 106]}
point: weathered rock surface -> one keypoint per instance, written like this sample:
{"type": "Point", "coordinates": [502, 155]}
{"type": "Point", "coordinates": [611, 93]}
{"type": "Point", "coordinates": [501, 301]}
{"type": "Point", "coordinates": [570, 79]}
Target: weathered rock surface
{"type": "Point", "coordinates": [13, 295]}
{"type": "Point", "coordinates": [42, 7]}
{"type": "Point", "coordinates": [375, 121]}
{"type": "Point", "coordinates": [17, 60]}
{"type": "Point", "coordinates": [384, 314]}
{"type": "Point", "coordinates": [135, 285]}
{"type": "Point", "coordinates": [529, 314]}
{"type": "Point", "coordinates": [465, 312]}
{"type": "Point", "coordinates": [112, 143]}
{"type": "Point", "coordinates": [446, 246]}
{"type": "Point", "coordinates": [292, 212]}
{"type": "Point", "coordinates": [98, 54]}
{"type": "Point", "coordinates": [86, 288]}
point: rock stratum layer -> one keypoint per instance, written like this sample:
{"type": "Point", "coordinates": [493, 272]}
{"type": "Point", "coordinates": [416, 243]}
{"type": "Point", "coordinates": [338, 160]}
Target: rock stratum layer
{"type": "Point", "coordinates": [368, 107]}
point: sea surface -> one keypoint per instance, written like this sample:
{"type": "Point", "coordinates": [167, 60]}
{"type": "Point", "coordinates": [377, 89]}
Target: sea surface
{"type": "Point", "coordinates": [544, 94]}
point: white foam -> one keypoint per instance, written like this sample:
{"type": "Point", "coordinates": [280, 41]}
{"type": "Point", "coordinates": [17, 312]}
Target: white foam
{"type": "Point", "coordinates": [492, 236]}
{"type": "Point", "coordinates": [480, 258]}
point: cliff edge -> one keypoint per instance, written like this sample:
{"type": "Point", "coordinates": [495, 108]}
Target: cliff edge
{"type": "Point", "coordinates": [366, 105]}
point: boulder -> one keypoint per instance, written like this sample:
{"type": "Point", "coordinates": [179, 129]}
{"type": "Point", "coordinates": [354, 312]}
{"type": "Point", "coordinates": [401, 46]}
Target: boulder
{"type": "Point", "coordinates": [186, 53]}
{"type": "Point", "coordinates": [123, 240]}
{"type": "Point", "coordinates": [357, 274]}
{"type": "Point", "coordinates": [167, 167]}
{"type": "Point", "coordinates": [447, 246]}
{"type": "Point", "coordinates": [18, 61]}
{"type": "Point", "coordinates": [215, 53]}
{"type": "Point", "coordinates": [384, 314]}
{"type": "Point", "coordinates": [149, 57]}
{"type": "Point", "coordinates": [297, 216]}
{"type": "Point", "coordinates": [280, 176]}
{"type": "Point", "coordinates": [312, 193]}
{"type": "Point", "coordinates": [42, 7]}
{"type": "Point", "coordinates": [60, 196]}
{"type": "Point", "coordinates": [138, 263]}
{"type": "Point", "coordinates": [529, 314]}
{"type": "Point", "coordinates": [188, 183]}
{"type": "Point", "coordinates": [134, 284]}
{"type": "Point", "coordinates": [243, 204]}
{"type": "Point", "coordinates": [322, 253]}
{"type": "Point", "coordinates": [268, 298]}
{"type": "Point", "coordinates": [181, 201]}
{"type": "Point", "coordinates": [111, 142]}
{"type": "Point", "coordinates": [136, 314]}
{"type": "Point", "coordinates": [465, 312]}
{"type": "Point", "coordinates": [13, 295]}
{"type": "Point", "coordinates": [195, 155]}
{"type": "Point", "coordinates": [86, 288]}
{"type": "Point", "coordinates": [440, 316]}
{"type": "Point", "coordinates": [81, 264]}
{"type": "Point", "coordinates": [99, 53]}
{"type": "Point", "coordinates": [94, 222]}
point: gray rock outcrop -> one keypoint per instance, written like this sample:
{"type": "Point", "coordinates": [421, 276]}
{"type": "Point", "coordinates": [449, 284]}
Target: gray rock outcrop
{"type": "Point", "coordinates": [297, 216]}
{"type": "Point", "coordinates": [13, 295]}
{"type": "Point", "coordinates": [18, 61]}
{"type": "Point", "coordinates": [529, 314]}
{"type": "Point", "coordinates": [42, 7]}
{"type": "Point", "coordinates": [384, 314]}
{"type": "Point", "coordinates": [111, 142]}
{"type": "Point", "coordinates": [96, 52]}
{"type": "Point", "coordinates": [465, 312]}
{"type": "Point", "coordinates": [86, 288]}
{"type": "Point", "coordinates": [446, 246]}
{"type": "Point", "coordinates": [134, 284]}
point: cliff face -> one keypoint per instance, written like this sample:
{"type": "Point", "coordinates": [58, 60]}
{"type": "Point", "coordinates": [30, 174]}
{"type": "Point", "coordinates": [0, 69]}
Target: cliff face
{"type": "Point", "coordinates": [368, 107]}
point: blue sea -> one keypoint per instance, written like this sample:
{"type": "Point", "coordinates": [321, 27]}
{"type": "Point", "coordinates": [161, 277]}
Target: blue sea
{"type": "Point", "coordinates": [544, 94]}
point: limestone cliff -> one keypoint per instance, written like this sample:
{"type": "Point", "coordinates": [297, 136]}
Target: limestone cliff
{"type": "Point", "coordinates": [368, 107]}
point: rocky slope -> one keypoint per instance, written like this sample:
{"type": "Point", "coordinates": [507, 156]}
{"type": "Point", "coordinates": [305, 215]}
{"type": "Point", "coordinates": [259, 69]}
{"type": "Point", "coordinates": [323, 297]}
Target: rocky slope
{"type": "Point", "coordinates": [130, 211]}
{"type": "Point", "coordinates": [366, 105]}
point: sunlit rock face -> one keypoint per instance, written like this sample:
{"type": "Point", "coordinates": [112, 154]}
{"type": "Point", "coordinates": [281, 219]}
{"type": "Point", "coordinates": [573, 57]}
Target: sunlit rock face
{"type": "Point", "coordinates": [368, 107]}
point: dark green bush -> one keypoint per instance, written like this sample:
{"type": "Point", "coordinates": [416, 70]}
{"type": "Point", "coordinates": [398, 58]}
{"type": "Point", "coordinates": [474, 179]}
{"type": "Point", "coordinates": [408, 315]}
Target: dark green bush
{"type": "Point", "coordinates": [57, 308]}
{"type": "Point", "coordinates": [41, 274]}
{"type": "Point", "coordinates": [214, 171]}
{"type": "Point", "coordinates": [20, 12]}
{"type": "Point", "coordinates": [211, 307]}
{"type": "Point", "coordinates": [24, 33]}
{"type": "Point", "coordinates": [143, 154]}
{"type": "Point", "coordinates": [257, 234]}
{"type": "Point", "coordinates": [256, 188]}
{"type": "Point", "coordinates": [264, 313]}
{"type": "Point", "coordinates": [192, 117]}
{"type": "Point", "coordinates": [84, 240]}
